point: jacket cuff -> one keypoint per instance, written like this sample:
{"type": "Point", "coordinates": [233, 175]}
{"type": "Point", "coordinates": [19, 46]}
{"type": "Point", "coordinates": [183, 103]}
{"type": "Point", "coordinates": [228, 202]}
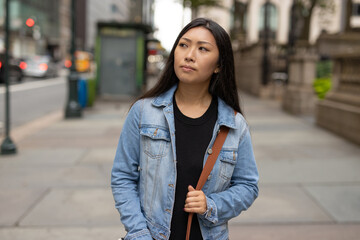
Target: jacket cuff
{"type": "Point", "coordinates": [211, 212]}
{"type": "Point", "coordinates": [140, 235]}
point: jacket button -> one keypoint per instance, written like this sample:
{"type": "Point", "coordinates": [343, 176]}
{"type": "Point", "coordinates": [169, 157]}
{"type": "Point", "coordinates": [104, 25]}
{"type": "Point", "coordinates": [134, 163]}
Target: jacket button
{"type": "Point", "coordinates": [210, 151]}
{"type": "Point", "coordinates": [171, 185]}
{"type": "Point", "coordinates": [168, 210]}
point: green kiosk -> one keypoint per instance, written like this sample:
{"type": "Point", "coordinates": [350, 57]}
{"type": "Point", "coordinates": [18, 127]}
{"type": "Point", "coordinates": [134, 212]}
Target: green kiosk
{"type": "Point", "coordinates": [121, 58]}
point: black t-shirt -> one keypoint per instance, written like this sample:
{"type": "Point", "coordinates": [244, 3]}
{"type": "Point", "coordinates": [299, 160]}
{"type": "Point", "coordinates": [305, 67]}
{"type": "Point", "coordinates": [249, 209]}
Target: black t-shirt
{"type": "Point", "coordinates": [192, 139]}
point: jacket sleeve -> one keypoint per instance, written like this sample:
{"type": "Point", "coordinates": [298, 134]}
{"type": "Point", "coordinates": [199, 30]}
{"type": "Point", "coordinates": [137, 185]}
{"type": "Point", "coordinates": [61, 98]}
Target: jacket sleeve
{"type": "Point", "coordinates": [125, 177]}
{"type": "Point", "coordinates": [243, 190]}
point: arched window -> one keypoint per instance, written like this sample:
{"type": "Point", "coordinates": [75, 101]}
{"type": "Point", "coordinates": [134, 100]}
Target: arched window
{"type": "Point", "coordinates": [272, 20]}
{"type": "Point", "coordinates": [239, 19]}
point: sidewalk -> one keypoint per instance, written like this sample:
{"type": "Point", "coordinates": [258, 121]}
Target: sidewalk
{"type": "Point", "coordinates": [58, 185]}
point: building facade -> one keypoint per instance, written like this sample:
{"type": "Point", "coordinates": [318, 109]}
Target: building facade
{"type": "Point", "coordinates": [34, 27]}
{"type": "Point", "coordinates": [247, 16]}
{"type": "Point", "coordinates": [103, 11]}
{"type": "Point", "coordinates": [136, 11]}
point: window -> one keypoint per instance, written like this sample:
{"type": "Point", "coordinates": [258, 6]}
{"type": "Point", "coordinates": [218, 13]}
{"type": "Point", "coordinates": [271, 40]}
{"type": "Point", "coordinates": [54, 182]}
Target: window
{"type": "Point", "coordinates": [272, 19]}
{"type": "Point", "coordinates": [356, 9]}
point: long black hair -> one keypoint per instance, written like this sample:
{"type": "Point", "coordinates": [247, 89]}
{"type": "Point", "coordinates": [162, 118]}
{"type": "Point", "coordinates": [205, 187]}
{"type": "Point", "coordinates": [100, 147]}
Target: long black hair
{"type": "Point", "coordinates": [222, 84]}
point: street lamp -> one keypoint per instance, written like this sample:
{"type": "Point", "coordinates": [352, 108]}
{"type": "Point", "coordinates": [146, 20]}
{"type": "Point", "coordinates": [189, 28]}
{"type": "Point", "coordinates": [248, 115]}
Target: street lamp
{"type": "Point", "coordinates": [7, 146]}
{"type": "Point", "coordinates": [73, 108]}
{"type": "Point", "coordinates": [265, 61]}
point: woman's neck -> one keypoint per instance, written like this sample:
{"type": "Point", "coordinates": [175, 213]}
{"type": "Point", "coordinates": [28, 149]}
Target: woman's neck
{"type": "Point", "coordinates": [192, 101]}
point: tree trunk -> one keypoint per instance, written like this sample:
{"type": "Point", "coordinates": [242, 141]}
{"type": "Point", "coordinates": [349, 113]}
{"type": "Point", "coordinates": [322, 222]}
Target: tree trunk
{"type": "Point", "coordinates": [349, 5]}
{"type": "Point", "coordinates": [194, 13]}
{"type": "Point", "coordinates": [307, 20]}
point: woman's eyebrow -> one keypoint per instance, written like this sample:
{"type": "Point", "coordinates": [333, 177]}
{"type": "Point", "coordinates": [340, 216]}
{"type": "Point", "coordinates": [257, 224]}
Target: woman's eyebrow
{"type": "Point", "coordinates": [199, 42]}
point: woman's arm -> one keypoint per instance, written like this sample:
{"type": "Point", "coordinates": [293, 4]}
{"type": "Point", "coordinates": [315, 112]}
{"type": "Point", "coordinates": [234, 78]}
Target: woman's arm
{"type": "Point", "coordinates": [125, 177]}
{"type": "Point", "coordinates": [243, 190]}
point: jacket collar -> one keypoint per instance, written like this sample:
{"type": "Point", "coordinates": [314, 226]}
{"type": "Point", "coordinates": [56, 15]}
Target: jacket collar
{"type": "Point", "coordinates": [166, 98]}
{"type": "Point", "coordinates": [226, 115]}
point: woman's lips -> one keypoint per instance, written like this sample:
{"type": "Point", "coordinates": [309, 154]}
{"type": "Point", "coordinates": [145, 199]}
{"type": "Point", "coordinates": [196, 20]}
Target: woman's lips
{"type": "Point", "coordinates": [187, 68]}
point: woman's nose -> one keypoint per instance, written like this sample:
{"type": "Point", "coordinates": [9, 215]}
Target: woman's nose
{"type": "Point", "coordinates": [189, 57]}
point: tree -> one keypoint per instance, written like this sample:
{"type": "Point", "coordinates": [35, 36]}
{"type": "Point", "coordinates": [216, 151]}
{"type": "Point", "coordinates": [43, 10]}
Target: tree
{"type": "Point", "coordinates": [306, 9]}
{"type": "Point", "coordinates": [196, 4]}
{"type": "Point", "coordinates": [349, 6]}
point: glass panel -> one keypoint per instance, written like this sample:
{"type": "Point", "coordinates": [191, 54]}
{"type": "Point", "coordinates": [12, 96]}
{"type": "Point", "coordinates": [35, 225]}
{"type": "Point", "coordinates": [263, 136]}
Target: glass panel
{"type": "Point", "coordinates": [273, 17]}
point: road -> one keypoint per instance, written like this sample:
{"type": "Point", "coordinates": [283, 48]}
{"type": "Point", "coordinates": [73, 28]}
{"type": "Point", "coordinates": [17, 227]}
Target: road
{"type": "Point", "coordinates": [32, 99]}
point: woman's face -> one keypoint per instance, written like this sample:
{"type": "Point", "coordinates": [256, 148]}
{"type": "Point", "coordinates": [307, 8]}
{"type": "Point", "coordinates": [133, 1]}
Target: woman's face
{"type": "Point", "coordinates": [196, 56]}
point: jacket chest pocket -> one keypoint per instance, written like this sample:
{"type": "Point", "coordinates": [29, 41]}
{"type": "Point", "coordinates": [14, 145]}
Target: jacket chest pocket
{"type": "Point", "coordinates": [227, 164]}
{"type": "Point", "coordinates": [155, 141]}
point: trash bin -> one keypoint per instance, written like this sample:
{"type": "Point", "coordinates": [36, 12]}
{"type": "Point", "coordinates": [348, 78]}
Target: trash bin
{"type": "Point", "coordinates": [82, 92]}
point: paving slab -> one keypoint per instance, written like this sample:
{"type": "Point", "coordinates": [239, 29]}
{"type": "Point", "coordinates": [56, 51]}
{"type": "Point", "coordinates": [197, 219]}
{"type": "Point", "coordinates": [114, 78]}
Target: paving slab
{"type": "Point", "coordinates": [82, 176]}
{"type": "Point", "coordinates": [41, 156]}
{"type": "Point", "coordinates": [303, 170]}
{"type": "Point", "coordinates": [60, 233]}
{"type": "Point", "coordinates": [295, 232]}
{"type": "Point", "coordinates": [283, 204]}
{"type": "Point", "coordinates": [87, 207]}
{"type": "Point", "coordinates": [341, 201]}
{"type": "Point", "coordinates": [17, 201]}
{"type": "Point", "coordinates": [30, 176]}
{"type": "Point", "coordinates": [99, 156]}
{"type": "Point", "coordinates": [307, 137]}
{"type": "Point", "coordinates": [73, 141]}
{"type": "Point", "coordinates": [306, 152]}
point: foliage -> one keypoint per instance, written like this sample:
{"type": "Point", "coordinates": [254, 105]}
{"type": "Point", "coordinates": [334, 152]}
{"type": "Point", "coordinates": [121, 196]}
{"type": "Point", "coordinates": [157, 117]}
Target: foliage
{"type": "Point", "coordinates": [323, 69]}
{"type": "Point", "coordinates": [305, 10]}
{"type": "Point", "coordinates": [322, 86]}
{"type": "Point", "coordinates": [196, 4]}
{"type": "Point", "coordinates": [322, 83]}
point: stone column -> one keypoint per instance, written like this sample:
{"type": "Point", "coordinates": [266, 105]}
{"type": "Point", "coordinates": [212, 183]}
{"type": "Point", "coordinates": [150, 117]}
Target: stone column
{"type": "Point", "coordinates": [299, 96]}
{"type": "Point", "coordinates": [339, 112]}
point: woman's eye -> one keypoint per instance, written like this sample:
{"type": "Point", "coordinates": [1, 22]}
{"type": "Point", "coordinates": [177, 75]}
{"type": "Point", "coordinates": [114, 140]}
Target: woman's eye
{"type": "Point", "coordinates": [182, 45]}
{"type": "Point", "coordinates": [203, 49]}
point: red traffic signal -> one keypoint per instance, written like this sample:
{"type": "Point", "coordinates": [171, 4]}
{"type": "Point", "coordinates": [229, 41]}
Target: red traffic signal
{"type": "Point", "coordinates": [30, 22]}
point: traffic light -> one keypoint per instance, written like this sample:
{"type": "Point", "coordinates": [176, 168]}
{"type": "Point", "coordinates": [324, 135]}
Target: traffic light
{"type": "Point", "coordinates": [30, 22]}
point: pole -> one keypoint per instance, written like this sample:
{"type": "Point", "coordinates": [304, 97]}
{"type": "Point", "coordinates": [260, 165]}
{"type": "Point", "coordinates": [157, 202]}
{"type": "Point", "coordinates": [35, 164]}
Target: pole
{"type": "Point", "coordinates": [7, 146]}
{"type": "Point", "coordinates": [265, 62]}
{"type": "Point", "coordinates": [73, 108]}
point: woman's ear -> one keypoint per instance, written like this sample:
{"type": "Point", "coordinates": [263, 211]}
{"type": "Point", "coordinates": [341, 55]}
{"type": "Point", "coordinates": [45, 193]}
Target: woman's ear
{"type": "Point", "coordinates": [217, 70]}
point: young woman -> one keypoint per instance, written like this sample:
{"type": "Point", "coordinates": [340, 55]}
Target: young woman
{"type": "Point", "coordinates": [168, 136]}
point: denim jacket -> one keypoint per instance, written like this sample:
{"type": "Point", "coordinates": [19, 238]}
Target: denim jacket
{"type": "Point", "coordinates": [144, 172]}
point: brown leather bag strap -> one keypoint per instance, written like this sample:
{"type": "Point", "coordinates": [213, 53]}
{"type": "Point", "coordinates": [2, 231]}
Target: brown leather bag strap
{"type": "Point", "coordinates": [215, 150]}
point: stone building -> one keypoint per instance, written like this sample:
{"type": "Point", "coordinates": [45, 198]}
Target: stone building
{"type": "Point", "coordinates": [273, 64]}
{"type": "Point", "coordinates": [244, 19]}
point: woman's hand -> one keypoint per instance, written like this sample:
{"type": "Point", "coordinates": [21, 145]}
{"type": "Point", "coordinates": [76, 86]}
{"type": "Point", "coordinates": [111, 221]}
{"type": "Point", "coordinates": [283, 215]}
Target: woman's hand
{"type": "Point", "coordinates": [195, 201]}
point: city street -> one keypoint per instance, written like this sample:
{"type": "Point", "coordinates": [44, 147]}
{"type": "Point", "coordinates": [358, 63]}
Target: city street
{"type": "Point", "coordinates": [294, 63]}
{"type": "Point", "coordinates": [58, 185]}
{"type": "Point", "coordinates": [33, 98]}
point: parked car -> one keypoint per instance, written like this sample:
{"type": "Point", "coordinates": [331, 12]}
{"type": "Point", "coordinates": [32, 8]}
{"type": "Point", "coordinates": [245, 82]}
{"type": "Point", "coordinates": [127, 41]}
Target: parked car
{"type": "Point", "coordinates": [40, 66]}
{"type": "Point", "coordinates": [15, 65]}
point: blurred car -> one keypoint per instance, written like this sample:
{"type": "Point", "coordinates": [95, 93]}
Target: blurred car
{"type": "Point", "coordinates": [15, 65]}
{"type": "Point", "coordinates": [40, 66]}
